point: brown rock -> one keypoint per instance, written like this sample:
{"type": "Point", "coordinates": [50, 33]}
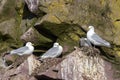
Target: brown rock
{"type": "Point", "coordinates": [32, 5]}
{"type": "Point", "coordinates": [39, 67]}
{"type": "Point", "coordinates": [19, 73]}
{"type": "Point", "coordinates": [15, 60]}
{"type": "Point", "coordinates": [81, 66]}
{"type": "Point", "coordinates": [32, 64]}
{"type": "Point", "coordinates": [33, 35]}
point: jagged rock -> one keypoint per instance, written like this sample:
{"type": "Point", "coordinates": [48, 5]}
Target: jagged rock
{"type": "Point", "coordinates": [13, 61]}
{"type": "Point", "coordinates": [33, 35]}
{"type": "Point", "coordinates": [69, 12]}
{"type": "Point", "coordinates": [9, 59]}
{"type": "Point", "coordinates": [28, 68]}
{"type": "Point", "coordinates": [18, 72]}
{"type": "Point", "coordinates": [62, 22]}
{"type": "Point", "coordinates": [33, 5]}
{"type": "Point", "coordinates": [40, 67]}
{"type": "Point", "coordinates": [2, 4]}
{"type": "Point", "coordinates": [80, 66]}
{"type": "Point", "coordinates": [7, 8]}
{"type": "Point", "coordinates": [115, 20]}
{"type": "Point", "coordinates": [7, 28]}
{"type": "Point", "coordinates": [9, 31]}
{"type": "Point", "coordinates": [66, 34]}
{"type": "Point", "coordinates": [32, 64]}
{"type": "Point", "coordinates": [2, 63]}
{"type": "Point", "coordinates": [96, 13]}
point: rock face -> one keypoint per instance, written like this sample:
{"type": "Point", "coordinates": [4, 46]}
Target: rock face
{"type": "Point", "coordinates": [64, 21]}
{"type": "Point", "coordinates": [33, 35]}
{"type": "Point", "coordinates": [78, 65]}
{"type": "Point", "coordinates": [33, 5]}
{"type": "Point", "coordinates": [44, 22]}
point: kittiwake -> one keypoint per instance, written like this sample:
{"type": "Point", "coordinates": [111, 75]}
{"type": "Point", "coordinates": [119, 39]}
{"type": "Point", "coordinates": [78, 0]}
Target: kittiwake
{"type": "Point", "coordinates": [85, 42]}
{"type": "Point", "coordinates": [53, 52]}
{"type": "Point", "coordinates": [27, 49]}
{"type": "Point", "coordinates": [95, 39]}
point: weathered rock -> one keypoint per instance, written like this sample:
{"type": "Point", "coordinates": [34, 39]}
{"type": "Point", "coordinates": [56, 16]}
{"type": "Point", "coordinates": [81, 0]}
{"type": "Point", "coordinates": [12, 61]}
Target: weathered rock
{"type": "Point", "coordinates": [7, 28]}
{"type": "Point", "coordinates": [101, 14]}
{"type": "Point", "coordinates": [64, 33]}
{"type": "Point", "coordinates": [17, 73]}
{"type": "Point", "coordinates": [33, 5]}
{"type": "Point", "coordinates": [9, 59]}
{"type": "Point", "coordinates": [7, 8]}
{"type": "Point", "coordinates": [33, 35]}
{"type": "Point", "coordinates": [10, 31]}
{"type": "Point", "coordinates": [32, 64]}
{"type": "Point", "coordinates": [13, 61]}
{"type": "Point", "coordinates": [2, 4]}
{"type": "Point", "coordinates": [93, 13]}
{"type": "Point", "coordinates": [37, 67]}
{"type": "Point", "coordinates": [80, 66]}
{"type": "Point", "coordinates": [28, 69]}
{"type": "Point", "coordinates": [2, 63]}
{"type": "Point", "coordinates": [63, 22]}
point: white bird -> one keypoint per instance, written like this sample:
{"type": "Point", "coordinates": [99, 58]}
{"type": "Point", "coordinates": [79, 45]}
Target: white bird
{"type": "Point", "coordinates": [27, 49]}
{"type": "Point", "coordinates": [53, 52]}
{"type": "Point", "coordinates": [85, 42]}
{"type": "Point", "coordinates": [96, 39]}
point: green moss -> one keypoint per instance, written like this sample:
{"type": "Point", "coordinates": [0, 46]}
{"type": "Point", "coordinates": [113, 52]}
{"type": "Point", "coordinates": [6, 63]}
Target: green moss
{"type": "Point", "coordinates": [70, 37]}
{"type": "Point", "coordinates": [53, 28]}
{"type": "Point", "coordinates": [8, 10]}
{"type": "Point", "coordinates": [116, 68]}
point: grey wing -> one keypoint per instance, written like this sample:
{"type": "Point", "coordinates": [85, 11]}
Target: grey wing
{"type": "Point", "coordinates": [85, 42]}
{"type": "Point", "coordinates": [51, 51]}
{"type": "Point", "coordinates": [88, 42]}
{"type": "Point", "coordinates": [81, 41]}
{"type": "Point", "coordinates": [98, 39]}
{"type": "Point", "coordinates": [21, 50]}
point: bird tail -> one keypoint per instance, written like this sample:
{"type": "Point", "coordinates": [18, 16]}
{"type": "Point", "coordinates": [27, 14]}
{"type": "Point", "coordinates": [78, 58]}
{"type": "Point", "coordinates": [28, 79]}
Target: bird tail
{"type": "Point", "coordinates": [108, 45]}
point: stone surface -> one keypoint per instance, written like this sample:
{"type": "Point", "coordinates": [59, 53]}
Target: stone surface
{"type": "Point", "coordinates": [81, 65]}
{"type": "Point", "coordinates": [33, 5]}
{"type": "Point", "coordinates": [33, 35]}
{"type": "Point", "coordinates": [63, 21]}
{"type": "Point", "coordinates": [78, 65]}
{"type": "Point", "coordinates": [19, 72]}
{"type": "Point", "coordinates": [2, 4]}
{"type": "Point", "coordinates": [32, 64]}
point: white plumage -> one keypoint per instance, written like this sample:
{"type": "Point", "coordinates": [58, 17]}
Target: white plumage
{"type": "Point", "coordinates": [27, 49]}
{"type": "Point", "coordinates": [53, 52]}
{"type": "Point", "coordinates": [96, 39]}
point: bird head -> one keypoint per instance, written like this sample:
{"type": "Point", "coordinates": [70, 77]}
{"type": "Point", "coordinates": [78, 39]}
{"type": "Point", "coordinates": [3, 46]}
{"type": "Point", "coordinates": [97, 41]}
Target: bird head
{"type": "Point", "coordinates": [29, 44]}
{"type": "Point", "coordinates": [55, 44]}
{"type": "Point", "coordinates": [90, 27]}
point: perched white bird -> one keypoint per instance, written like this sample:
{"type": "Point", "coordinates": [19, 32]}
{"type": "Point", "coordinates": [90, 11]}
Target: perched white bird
{"type": "Point", "coordinates": [96, 39]}
{"type": "Point", "coordinates": [27, 49]}
{"type": "Point", "coordinates": [85, 42]}
{"type": "Point", "coordinates": [53, 52]}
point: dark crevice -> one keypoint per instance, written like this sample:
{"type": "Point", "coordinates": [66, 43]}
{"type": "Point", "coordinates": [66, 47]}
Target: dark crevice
{"type": "Point", "coordinates": [27, 14]}
{"type": "Point", "coordinates": [45, 32]}
{"type": "Point", "coordinates": [44, 77]}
